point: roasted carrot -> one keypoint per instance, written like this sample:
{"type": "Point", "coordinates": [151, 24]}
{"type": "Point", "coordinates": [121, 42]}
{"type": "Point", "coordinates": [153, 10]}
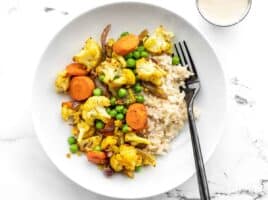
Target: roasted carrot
{"type": "Point", "coordinates": [126, 44]}
{"type": "Point", "coordinates": [68, 104]}
{"type": "Point", "coordinates": [136, 116]}
{"type": "Point", "coordinates": [71, 104]}
{"type": "Point", "coordinates": [81, 87]}
{"type": "Point", "coordinates": [76, 69]}
{"type": "Point", "coordinates": [97, 157]}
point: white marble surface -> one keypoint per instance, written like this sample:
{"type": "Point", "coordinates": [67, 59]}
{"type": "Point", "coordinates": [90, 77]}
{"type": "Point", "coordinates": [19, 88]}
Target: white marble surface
{"type": "Point", "coordinates": [238, 170]}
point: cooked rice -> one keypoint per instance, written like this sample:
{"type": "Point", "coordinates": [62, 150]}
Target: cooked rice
{"type": "Point", "coordinates": [166, 116]}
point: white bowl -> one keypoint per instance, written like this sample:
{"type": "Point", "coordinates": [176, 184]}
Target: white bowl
{"type": "Point", "coordinates": [172, 169]}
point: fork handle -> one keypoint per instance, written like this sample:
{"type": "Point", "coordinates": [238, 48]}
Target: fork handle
{"type": "Point", "coordinates": [199, 164]}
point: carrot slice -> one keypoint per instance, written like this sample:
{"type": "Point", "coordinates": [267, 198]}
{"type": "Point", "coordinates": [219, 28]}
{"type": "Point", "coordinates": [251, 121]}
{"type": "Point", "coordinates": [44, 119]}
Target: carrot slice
{"type": "Point", "coordinates": [76, 69]}
{"type": "Point", "coordinates": [136, 116]}
{"type": "Point", "coordinates": [126, 44]}
{"type": "Point", "coordinates": [81, 87]}
{"type": "Point", "coordinates": [97, 157]}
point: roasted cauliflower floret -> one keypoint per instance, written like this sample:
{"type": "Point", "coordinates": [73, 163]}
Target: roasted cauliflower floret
{"type": "Point", "coordinates": [83, 128]}
{"type": "Point", "coordinates": [127, 159]}
{"type": "Point", "coordinates": [147, 159]}
{"type": "Point", "coordinates": [90, 143]}
{"type": "Point", "coordinates": [149, 71]}
{"type": "Point", "coordinates": [114, 76]}
{"type": "Point", "coordinates": [125, 77]}
{"type": "Point", "coordinates": [90, 55]}
{"type": "Point", "coordinates": [109, 71]}
{"type": "Point", "coordinates": [134, 139]}
{"type": "Point", "coordinates": [115, 163]}
{"type": "Point", "coordinates": [62, 81]}
{"type": "Point", "coordinates": [118, 60]}
{"type": "Point", "coordinates": [66, 112]}
{"type": "Point", "coordinates": [94, 108]}
{"type": "Point", "coordinates": [94, 141]}
{"type": "Point", "coordinates": [108, 142]}
{"type": "Point", "coordinates": [159, 42]}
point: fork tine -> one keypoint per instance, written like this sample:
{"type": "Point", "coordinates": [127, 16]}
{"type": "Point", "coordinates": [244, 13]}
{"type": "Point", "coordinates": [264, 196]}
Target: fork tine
{"type": "Point", "coordinates": [183, 57]}
{"type": "Point", "coordinates": [191, 62]}
{"type": "Point", "coordinates": [179, 53]}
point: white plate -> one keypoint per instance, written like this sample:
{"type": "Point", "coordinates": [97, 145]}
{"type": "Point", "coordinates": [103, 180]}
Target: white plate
{"type": "Point", "coordinates": [172, 169]}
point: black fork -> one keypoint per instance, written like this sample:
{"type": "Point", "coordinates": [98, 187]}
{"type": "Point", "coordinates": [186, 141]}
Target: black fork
{"type": "Point", "coordinates": [191, 89]}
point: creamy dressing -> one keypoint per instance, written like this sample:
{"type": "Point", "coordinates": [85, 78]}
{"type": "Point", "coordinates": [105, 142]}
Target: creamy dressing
{"type": "Point", "coordinates": [223, 12]}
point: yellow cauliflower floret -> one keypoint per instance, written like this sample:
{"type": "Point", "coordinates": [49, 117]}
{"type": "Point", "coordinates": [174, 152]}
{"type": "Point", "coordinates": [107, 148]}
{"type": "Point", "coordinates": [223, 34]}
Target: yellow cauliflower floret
{"type": "Point", "coordinates": [159, 42]}
{"type": "Point", "coordinates": [66, 112]}
{"type": "Point", "coordinates": [115, 163]}
{"type": "Point", "coordinates": [114, 75]}
{"type": "Point", "coordinates": [147, 159]}
{"type": "Point", "coordinates": [90, 55]}
{"type": "Point", "coordinates": [109, 71]}
{"type": "Point", "coordinates": [134, 139]}
{"type": "Point", "coordinates": [95, 101]}
{"type": "Point", "coordinates": [118, 60]}
{"type": "Point", "coordinates": [149, 71]}
{"type": "Point", "coordinates": [125, 77]}
{"type": "Point", "coordinates": [83, 128]}
{"type": "Point", "coordinates": [94, 108]}
{"type": "Point", "coordinates": [94, 141]}
{"type": "Point", "coordinates": [128, 157]}
{"type": "Point", "coordinates": [89, 143]}
{"type": "Point", "coordinates": [62, 81]}
{"type": "Point", "coordinates": [108, 142]}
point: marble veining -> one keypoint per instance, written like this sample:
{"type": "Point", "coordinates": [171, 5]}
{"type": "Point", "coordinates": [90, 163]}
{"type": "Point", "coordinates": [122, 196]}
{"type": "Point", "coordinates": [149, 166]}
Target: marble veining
{"type": "Point", "coordinates": [16, 139]}
{"type": "Point", "coordinates": [50, 9]}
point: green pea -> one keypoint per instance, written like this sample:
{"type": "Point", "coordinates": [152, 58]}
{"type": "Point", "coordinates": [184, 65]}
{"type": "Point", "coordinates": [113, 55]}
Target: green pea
{"type": "Point", "coordinates": [99, 124]}
{"type": "Point", "coordinates": [97, 92]}
{"type": "Point", "coordinates": [119, 108]}
{"type": "Point", "coordinates": [141, 48]}
{"type": "Point", "coordinates": [125, 128]}
{"type": "Point", "coordinates": [122, 92]}
{"type": "Point", "coordinates": [97, 148]}
{"type": "Point", "coordinates": [175, 60]}
{"type": "Point", "coordinates": [73, 148]}
{"type": "Point", "coordinates": [131, 62]}
{"type": "Point", "coordinates": [137, 88]}
{"type": "Point", "coordinates": [101, 77]}
{"type": "Point", "coordinates": [136, 54]}
{"type": "Point", "coordinates": [130, 55]}
{"type": "Point", "coordinates": [113, 101]}
{"type": "Point", "coordinates": [113, 113]}
{"type": "Point", "coordinates": [138, 168]}
{"type": "Point", "coordinates": [140, 98]}
{"type": "Point", "coordinates": [119, 116]}
{"type": "Point", "coordinates": [124, 34]}
{"type": "Point", "coordinates": [144, 54]}
{"type": "Point", "coordinates": [71, 140]}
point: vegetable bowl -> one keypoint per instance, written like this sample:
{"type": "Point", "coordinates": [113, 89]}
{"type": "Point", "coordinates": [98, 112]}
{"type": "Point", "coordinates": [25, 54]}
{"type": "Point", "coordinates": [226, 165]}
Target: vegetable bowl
{"type": "Point", "coordinates": [118, 107]}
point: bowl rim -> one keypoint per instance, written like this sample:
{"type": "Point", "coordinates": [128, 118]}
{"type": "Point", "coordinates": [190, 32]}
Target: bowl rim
{"type": "Point", "coordinates": [58, 32]}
